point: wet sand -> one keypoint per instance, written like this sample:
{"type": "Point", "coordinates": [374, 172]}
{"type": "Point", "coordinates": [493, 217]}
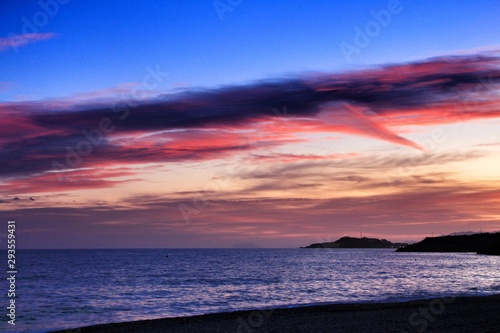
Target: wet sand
{"type": "Point", "coordinates": [464, 314]}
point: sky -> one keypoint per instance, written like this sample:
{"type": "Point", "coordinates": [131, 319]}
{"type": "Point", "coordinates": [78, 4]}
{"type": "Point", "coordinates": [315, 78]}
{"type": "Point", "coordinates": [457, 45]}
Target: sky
{"type": "Point", "coordinates": [181, 124]}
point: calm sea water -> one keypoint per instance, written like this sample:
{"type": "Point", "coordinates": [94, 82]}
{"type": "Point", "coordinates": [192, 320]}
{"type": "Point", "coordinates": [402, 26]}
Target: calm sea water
{"type": "Point", "coordinates": [60, 289]}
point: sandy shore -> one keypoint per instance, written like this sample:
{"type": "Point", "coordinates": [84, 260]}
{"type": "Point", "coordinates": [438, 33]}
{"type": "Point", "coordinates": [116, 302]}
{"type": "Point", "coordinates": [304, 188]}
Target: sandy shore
{"type": "Point", "coordinates": [465, 314]}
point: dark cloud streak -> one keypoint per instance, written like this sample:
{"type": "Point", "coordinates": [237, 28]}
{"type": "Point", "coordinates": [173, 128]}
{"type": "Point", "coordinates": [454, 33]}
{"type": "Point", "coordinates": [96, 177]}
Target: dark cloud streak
{"type": "Point", "coordinates": [39, 133]}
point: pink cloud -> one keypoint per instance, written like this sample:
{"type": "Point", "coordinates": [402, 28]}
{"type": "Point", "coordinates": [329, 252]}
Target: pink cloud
{"type": "Point", "coordinates": [16, 41]}
{"type": "Point", "coordinates": [219, 123]}
{"type": "Point", "coordinates": [79, 179]}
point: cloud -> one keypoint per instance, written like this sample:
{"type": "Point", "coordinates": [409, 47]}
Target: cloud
{"type": "Point", "coordinates": [270, 221]}
{"type": "Point", "coordinates": [300, 166]}
{"type": "Point", "coordinates": [369, 127]}
{"type": "Point", "coordinates": [77, 179]}
{"type": "Point", "coordinates": [16, 41]}
{"type": "Point", "coordinates": [205, 124]}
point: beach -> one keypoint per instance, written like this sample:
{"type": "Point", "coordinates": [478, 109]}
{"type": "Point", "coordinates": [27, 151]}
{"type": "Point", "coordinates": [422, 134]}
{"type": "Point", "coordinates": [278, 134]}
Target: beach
{"type": "Point", "coordinates": [462, 314]}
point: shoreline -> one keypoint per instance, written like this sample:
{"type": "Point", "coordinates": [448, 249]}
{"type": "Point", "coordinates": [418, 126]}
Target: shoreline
{"type": "Point", "coordinates": [448, 314]}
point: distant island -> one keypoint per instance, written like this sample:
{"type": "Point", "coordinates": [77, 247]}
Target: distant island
{"type": "Point", "coordinates": [357, 243]}
{"type": "Point", "coordinates": [483, 243]}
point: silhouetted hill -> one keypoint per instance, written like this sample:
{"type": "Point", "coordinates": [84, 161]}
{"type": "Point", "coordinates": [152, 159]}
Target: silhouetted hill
{"type": "Point", "coordinates": [484, 243]}
{"type": "Point", "coordinates": [493, 250]}
{"type": "Point", "coordinates": [356, 243]}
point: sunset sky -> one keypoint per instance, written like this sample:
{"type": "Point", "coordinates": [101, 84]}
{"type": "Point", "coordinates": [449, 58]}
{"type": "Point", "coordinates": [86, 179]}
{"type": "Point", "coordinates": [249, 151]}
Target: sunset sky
{"type": "Point", "coordinates": [276, 123]}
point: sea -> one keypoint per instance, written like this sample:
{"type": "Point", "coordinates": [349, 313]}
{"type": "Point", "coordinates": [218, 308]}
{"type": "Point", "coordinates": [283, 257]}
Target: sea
{"type": "Point", "coordinates": [65, 289]}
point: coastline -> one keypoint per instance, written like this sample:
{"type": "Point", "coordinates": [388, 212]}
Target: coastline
{"type": "Point", "coordinates": [460, 314]}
